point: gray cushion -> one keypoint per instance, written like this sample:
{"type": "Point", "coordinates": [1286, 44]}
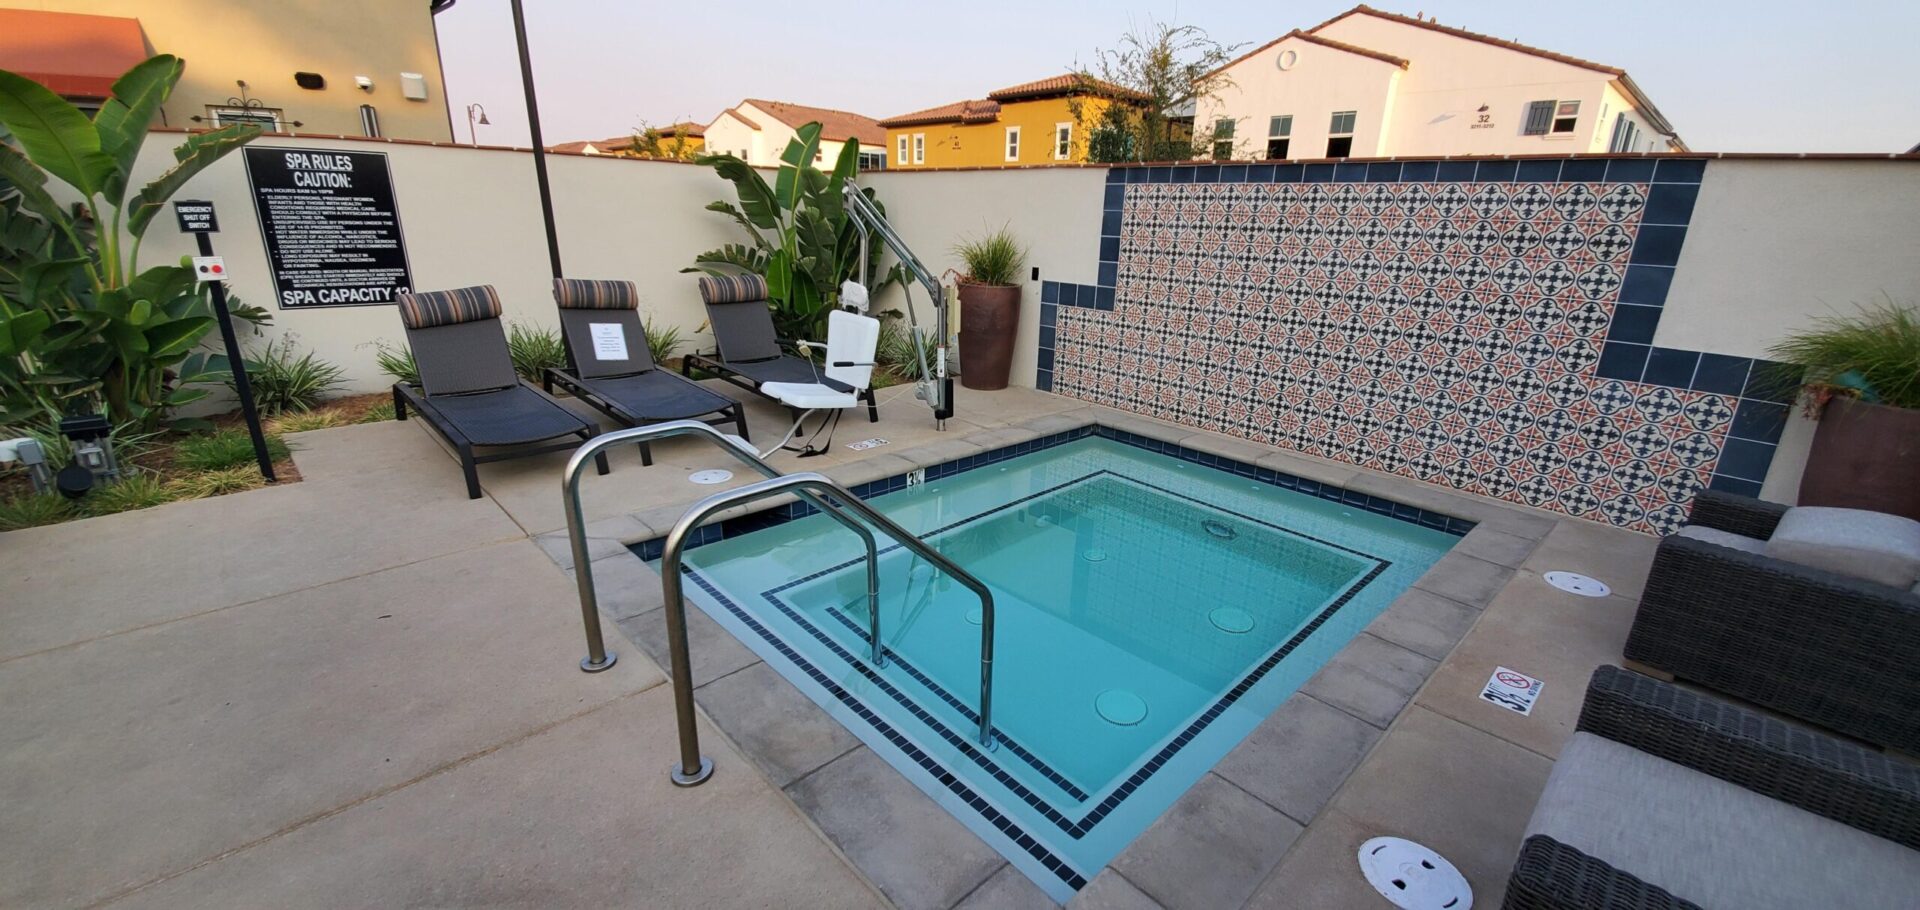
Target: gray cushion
{"type": "Point", "coordinates": [1726, 539]}
{"type": "Point", "coordinates": [1711, 842]}
{"type": "Point", "coordinates": [1870, 545]}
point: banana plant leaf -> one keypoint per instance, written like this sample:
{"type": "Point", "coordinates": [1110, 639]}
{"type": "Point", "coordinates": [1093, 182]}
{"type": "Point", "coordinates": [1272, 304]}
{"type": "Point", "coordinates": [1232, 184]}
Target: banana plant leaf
{"type": "Point", "coordinates": [122, 120]}
{"type": "Point", "coordinates": [54, 134]}
{"type": "Point", "coordinates": [195, 155]}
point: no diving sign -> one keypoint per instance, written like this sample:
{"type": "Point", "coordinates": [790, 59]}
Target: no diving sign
{"type": "Point", "coordinates": [1512, 690]}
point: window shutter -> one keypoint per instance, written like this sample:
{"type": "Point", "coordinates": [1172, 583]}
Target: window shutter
{"type": "Point", "coordinates": [1539, 117]}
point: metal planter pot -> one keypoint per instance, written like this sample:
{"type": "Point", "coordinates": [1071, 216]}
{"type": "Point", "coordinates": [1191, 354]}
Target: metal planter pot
{"type": "Point", "coordinates": [989, 320]}
{"type": "Point", "coordinates": [1865, 456]}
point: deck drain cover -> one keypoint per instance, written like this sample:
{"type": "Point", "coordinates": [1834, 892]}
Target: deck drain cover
{"type": "Point", "coordinates": [1094, 554]}
{"type": "Point", "coordinates": [1231, 619]}
{"type": "Point", "coordinates": [1578, 584]}
{"type": "Point", "coordinates": [1118, 706]}
{"type": "Point", "coordinates": [1412, 876]}
{"type": "Point", "coordinates": [973, 614]}
{"type": "Point", "coordinates": [709, 478]}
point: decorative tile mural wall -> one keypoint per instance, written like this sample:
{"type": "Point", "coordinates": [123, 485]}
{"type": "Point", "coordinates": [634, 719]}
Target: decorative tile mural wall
{"type": "Point", "coordinates": [1485, 325]}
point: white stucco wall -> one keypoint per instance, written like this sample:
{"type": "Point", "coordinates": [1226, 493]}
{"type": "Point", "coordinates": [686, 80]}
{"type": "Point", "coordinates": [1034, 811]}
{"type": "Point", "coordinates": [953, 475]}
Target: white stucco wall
{"type": "Point", "coordinates": [1322, 80]}
{"type": "Point", "coordinates": [471, 216]}
{"type": "Point", "coordinates": [1055, 213]}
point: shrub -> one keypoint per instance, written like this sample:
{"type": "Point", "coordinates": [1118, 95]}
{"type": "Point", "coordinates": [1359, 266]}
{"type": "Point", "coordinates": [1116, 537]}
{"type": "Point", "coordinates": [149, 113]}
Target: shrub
{"type": "Point", "coordinates": [378, 413]}
{"type": "Point", "coordinates": [396, 362]}
{"type": "Point", "coordinates": [663, 341]}
{"type": "Point", "coordinates": [1874, 355]}
{"type": "Point", "coordinates": [223, 450]}
{"type": "Point", "coordinates": [534, 349]}
{"type": "Point", "coordinates": [138, 490]}
{"type": "Point", "coordinates": [993, 259]}
{"type": "Point", "coordinates": [29, 510]}
{"type": "Point", "coordinates": [310, 420]}
{"type": "Point", "coordinates": [128, 439]}
{"type": "Point", "coordinates": [896, 350]}
{"type": "Point", "coordinates": [285, 382]}
{"type": "Point", "coordinates": [202, 484]}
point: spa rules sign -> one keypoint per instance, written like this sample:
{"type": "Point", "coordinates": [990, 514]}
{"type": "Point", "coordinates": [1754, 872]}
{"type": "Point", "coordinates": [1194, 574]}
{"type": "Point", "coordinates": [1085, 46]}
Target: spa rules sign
{"type": "Point", "coordinates": [331, 227]}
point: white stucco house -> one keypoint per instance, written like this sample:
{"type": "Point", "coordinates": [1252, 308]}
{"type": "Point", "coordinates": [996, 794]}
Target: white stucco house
{"type": "Point", "coordinates": [757, 131]}
{"type": "Point", "coordinates": [1369, 83]}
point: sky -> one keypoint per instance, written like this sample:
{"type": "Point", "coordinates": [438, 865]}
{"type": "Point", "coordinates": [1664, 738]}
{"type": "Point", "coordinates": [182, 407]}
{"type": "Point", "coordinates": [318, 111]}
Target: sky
{"type": "Point", "coordinates": [1756, 76]}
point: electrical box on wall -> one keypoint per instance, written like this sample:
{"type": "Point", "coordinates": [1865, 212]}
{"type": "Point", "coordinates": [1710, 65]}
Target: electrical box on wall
{"type": "Point", "coordinates": [310, 81]}
{"type": "Point", "coordinates": [413, 86]}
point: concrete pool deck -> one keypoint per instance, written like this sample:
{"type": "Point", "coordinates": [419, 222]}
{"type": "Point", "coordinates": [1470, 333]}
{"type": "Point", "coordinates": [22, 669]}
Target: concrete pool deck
{"type": "Point", "coordinates": [361, 689]}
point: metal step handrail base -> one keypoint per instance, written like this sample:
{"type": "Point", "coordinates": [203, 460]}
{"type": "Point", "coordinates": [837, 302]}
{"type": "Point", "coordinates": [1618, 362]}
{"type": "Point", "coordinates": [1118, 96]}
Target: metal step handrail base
{"type": "Point", "coordinates": [676, 607]}
{"type": "Point", "coordinates": [598, 657]}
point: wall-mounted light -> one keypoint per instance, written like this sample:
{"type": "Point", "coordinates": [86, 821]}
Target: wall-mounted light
{"type": "Point", "coordinates": [364, 83]}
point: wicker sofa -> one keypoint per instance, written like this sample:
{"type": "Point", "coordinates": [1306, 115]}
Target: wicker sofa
{"type": "Point", "coordinates": [1837, 651]}
{"type": "Point", "coordinates": [1665, 798]}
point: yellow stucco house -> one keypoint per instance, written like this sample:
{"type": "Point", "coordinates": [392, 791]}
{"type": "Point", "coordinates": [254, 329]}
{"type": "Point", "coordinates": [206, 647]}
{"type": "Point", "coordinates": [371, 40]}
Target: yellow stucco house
{"type": "Point", "coordinates": [346, 67]}
{"type": "Point", "coordinates": [1039, 122]}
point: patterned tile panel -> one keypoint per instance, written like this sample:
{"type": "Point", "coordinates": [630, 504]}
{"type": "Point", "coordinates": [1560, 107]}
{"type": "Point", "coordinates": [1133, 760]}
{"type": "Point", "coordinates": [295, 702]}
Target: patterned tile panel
{"type": "Point", "coordinates": [1449, 330]}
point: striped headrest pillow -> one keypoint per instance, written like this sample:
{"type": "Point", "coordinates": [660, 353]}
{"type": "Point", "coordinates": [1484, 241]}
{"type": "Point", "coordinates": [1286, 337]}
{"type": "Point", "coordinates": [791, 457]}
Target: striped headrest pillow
{"type": "Point", "coordinates": [426, 309]}
{"type": "Point", "coordinates": [587, 294]}
{"type": "Point", "coordinates": [733, 288]}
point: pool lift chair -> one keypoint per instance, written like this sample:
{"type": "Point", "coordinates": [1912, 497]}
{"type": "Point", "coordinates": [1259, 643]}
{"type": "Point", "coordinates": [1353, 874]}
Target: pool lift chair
{"type": "Point", "coordinates": [935, 385]}
{"type": "Point", "coordinates": [852, 341]}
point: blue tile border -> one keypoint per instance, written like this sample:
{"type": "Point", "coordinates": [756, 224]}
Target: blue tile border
{"type": "Point", "coordinates": [766, 518]}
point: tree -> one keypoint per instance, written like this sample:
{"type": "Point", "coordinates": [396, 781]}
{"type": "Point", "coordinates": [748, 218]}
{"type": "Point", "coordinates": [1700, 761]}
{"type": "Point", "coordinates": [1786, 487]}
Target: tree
{"type": "Point", "coordinates": [1170, 67]}
{"type": "Point", "coordinates": [651, 142]}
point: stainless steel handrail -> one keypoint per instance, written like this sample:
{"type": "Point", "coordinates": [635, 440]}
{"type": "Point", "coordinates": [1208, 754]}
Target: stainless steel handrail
{"type": "Point", "coordinates": [598, 657]}
{"type": "Point", "coordinates": [814, 489]}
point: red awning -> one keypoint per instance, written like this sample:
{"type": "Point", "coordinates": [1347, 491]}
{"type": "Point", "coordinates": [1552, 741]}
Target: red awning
{"type": "Point", "coordinates": [74, 55]}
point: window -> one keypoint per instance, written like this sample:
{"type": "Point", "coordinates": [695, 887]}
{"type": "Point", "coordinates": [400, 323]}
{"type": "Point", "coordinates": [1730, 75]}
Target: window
{"type": "Point", "coordinates": [267, 117]}
{"type": "Point", "coordinates": [1551, 117]}
{"type": "Point", "coordinates": [1222, 139]}
{"type": "Point", "coordinates": [919, 148]}
{"type": "Point", "coordinates": [873, 161]}
{"type": "Point", "coordinates": [1062, 141]}
{"type": "Point", "coordinates": [1013, 143]}
{"type": "Point", "coordinates": [1565, 116]}
{"type": "Point", "coordinates": [1279, 129]}
{"type": "Point", "coordinates": [819, 156]}
{"type": "Point", "coordinates": [1340, 134]}
{"type": "Point", "coordinates": [900, 149]}
{"type": "Point", "coordinates": [1625, 133]}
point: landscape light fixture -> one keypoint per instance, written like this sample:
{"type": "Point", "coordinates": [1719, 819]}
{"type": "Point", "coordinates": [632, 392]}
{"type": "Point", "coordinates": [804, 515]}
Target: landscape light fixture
{"type": "Point", "coordinates": [26, 452]}
{"type": "Point", "coordinates": [471, 120]}
{"type": "Point", "coordinates": [91, 438]}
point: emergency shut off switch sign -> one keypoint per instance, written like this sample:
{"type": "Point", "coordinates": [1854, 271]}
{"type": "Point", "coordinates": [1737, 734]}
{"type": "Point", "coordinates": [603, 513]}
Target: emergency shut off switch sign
{"type": "Point", "coordinates": [331, 226]}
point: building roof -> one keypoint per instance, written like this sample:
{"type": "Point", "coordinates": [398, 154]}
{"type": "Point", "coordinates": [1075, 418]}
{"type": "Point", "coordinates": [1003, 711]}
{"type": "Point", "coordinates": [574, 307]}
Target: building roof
{"type": "Point", "coordinates": [1064, 84]}
{"type": "Point", "coordinates": [838, 126]}
{"type": "Point", "coordinates": [1323, 42]}
{"type": "Point", "coordinates": [734, 112]}
{"type": "Point", "coordinates": [1366, 10]}
{"type": "Point", "coordinates": [977, 111]}
{"type": "Point", "coordinates": [75, 55]}
{"type": "Point", "coordinates": [599, 146]}
{"type": "Point", "coordinates": [685, 128]}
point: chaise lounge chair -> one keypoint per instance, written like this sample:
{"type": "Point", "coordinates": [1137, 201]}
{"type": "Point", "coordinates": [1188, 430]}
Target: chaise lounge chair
{"type": "Point", "coordinates": [613, 369]}
{"type": "Point", "coordinates": [1811, 612]}
{"type": "Point", "coordinates": [1666, 798]}
{"type": "Point", "coordinates": [468, 391]}
{"type": "Point", "coordinates": [747, 352]}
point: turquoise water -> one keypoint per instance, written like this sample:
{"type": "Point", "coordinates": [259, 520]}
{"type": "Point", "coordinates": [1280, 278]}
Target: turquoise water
{"type": "Point", "coordinates": [1150, 612]}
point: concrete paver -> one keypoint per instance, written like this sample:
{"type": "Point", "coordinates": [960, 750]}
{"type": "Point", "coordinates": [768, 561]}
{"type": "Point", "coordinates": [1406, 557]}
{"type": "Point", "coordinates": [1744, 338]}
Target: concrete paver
{"type": "Point", "coordinates": [578, 815]}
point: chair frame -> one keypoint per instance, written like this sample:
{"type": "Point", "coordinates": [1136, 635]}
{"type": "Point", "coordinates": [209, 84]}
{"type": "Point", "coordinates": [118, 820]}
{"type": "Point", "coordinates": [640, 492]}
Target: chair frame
{"type": "Point", "coordinates": [408, 395]}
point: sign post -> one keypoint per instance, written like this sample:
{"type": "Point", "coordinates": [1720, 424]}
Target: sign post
{"type": "Point", "coordinates": [197, 218]}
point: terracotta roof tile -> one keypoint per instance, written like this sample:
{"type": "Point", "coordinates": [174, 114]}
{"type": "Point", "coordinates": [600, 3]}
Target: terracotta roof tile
{"type": "Point", "coordinates": [838, 126]}
{"type": "Point", "coordinates": [687, 128]}
{"type": "Point", "coordinates": [1364, 9]}
{"type": "Point", "coordinates": [734, 112]}
{"type": "Point", "coordinates": [1323, 42]}
{"type": "Point", "coordinates": [74, 54]}
{"type": "Point", "coordinates": [1066, 83]}
{"type": "Point", "coordinates": [977, 111]}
